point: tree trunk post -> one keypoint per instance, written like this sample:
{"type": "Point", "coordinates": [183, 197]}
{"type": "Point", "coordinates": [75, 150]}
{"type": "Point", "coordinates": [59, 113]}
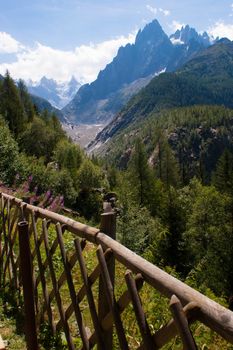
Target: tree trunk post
{"type": "Point", "coordinates": [108, 226]}
{"type": "Point", "coordinates": [27, 281]}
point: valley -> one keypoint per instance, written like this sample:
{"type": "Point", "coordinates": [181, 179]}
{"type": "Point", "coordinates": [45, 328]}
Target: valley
{"type": "Point", "coordinates": [82, 134]}
{"type": "Point", "coordinates": [150, 137]}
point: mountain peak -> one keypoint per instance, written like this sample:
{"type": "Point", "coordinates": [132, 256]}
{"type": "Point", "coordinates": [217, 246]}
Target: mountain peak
{"type": "Point", "coordinates": [152, 53]}
{"type": "Point", "coordinates": [45, 79]}
{"type": "Point", "coordinates": [152, 31]}
{"type": "Point", "coordinates": [224, 41]}
{"type": "Point", "coordinates": [186, 34]}
{"type": "Point", "coordinates": [73, 80]}
{"type": "Point", "coordinates": [47, 83]}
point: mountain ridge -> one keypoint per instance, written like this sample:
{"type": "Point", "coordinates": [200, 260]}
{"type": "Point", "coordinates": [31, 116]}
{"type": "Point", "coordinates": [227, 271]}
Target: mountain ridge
{"type": "Point", "coordinates": [206, 79]}
{"type": "Point", "coordinates": [152, 53]}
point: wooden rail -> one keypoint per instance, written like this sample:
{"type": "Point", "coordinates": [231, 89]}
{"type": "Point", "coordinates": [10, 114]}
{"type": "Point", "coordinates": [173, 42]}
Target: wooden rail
{"type": "Point", "coordinates": [67, 272]}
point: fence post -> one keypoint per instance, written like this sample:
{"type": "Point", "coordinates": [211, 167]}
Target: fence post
{"type": "Point", "coordinates": [108, 226]}
{"type": "Point", "coordinates": [27, 281]}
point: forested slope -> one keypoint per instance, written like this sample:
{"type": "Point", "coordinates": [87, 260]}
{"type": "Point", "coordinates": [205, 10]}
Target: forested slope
{"type": "Point", "coordinates": [39, 161]}
{"type": "Point", "coordinates": [206, 79]}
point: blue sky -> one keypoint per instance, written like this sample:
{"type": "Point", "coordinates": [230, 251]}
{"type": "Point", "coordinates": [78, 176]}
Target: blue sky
{"type": "Point", "coordinates": [60, 38]}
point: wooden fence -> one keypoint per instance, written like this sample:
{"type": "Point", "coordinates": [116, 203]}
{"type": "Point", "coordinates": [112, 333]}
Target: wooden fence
{"type": "Point", "coordinates": [67, 273]}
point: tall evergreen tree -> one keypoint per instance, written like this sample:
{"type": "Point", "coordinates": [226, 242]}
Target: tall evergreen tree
{"type": "Point", "coordinates": [223, 176]}
{"type": "Point", "coordinates": [26, 101]}
{"type": "Point", "coordinates": [140, 174]}
{"type": "Point", "coordinates": [167, 168]}
{"type": "Point", "coordinates": [11, 106]}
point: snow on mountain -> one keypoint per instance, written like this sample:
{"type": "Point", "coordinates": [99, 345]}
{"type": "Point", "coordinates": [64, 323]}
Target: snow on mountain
{"type": "Point", "coordinates": [184, 35]}
{"type": "Point", "coordinates": [176, 41]}
{"type": "Point", "coordinates": [57, 93]}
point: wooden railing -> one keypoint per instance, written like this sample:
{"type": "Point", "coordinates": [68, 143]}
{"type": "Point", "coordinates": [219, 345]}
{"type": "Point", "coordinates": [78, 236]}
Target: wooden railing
{"type": "Point", "coordinates": [67, 271]}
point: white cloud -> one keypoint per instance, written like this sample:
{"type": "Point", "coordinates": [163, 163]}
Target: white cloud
{"type": "Point", "coordinates": [175, 25]}
{"type": "Point", "coordinates": [8, 44]}
{"type": "Point", "coordinates": [165, 12]}
{"type": "Point", "coordinates": [84, 62]}
{"type": "Point", "coordinates": [221, 29]}
{"type": "Point", "coordinates": [153, 10]}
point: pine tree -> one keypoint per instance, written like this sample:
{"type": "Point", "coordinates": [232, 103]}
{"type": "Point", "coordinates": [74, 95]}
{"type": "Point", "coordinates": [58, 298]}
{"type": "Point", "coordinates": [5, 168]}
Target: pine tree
{"type": "Point", "coordinates": [223, 176]}
{"type": "Point", "coordinates": [140, 174]}
{"type": "Point", "coordinates": [167, 168]}
{"type": "Point", "coordinates": [26, 101]}
{"type": "Point", "coordinates": [11, 106]}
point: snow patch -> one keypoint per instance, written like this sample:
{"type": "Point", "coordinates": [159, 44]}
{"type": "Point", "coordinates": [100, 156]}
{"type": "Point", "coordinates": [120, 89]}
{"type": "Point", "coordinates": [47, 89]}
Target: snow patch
{"type": "Point", "coordinates": [58, 93]}
{"type": "Point", "coordinates": [177, 41]}
{"type": "Point", "coordinates": [160, 72]}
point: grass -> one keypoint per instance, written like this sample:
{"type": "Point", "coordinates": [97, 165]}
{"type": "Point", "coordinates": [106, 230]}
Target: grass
{"type": "Point", "coordinates": [11, 322]}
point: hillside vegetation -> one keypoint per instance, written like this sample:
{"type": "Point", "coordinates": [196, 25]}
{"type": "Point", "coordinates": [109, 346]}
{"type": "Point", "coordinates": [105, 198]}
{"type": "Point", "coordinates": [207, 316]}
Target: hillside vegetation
{"type": "Point", "coordinates": [197, 136]}
{"type": "Point", "coordinates": [39, 161]}
{"type": "Point", "coordinates": [206, 79]}
{"type": "Point", "coordinates": [173, 181]}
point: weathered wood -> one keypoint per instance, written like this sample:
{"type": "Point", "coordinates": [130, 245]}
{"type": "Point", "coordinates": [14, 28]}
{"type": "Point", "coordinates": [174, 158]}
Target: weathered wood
{"type": "Point", "coordinates": [43, 280]}
{"type": "Point", "coordinates": [11, 240]}
{"type": "Point", "coordinates": [70, 283]}
{"type": "Point", "coordinates": [51, 252]}
{"type": "Point", "coordinates": [108, 226]}
{"type": "Point", "coordinates": [169, 331]}
{"type": "Point", "coordinates": [56, 289]}
{"type": "Point", "coordinates": [62, 278]}
{"type": "Point", "coordinates": [5, 249]}
{"type": "Point", "coordinates": [111, 300]}
{"type": "Point", "coordinates": [122, 303]}
{"type": "Point", "coordinates": [211, 313]}
{"type": "Point", "coordinates": [9, 261]}
{"type": "Point", "coordinates": [90, 298]}
{"type": "Point", "coordinates": [140, 315]}
{"type": "Point", "coordinates": [30, 234]}
{"type": "Point", "coordinates": [82, 291]}
{"type": "Point", "coordinates": [182, 324]}
{"type": "Point", "coordinates": [28, 292]}
{"type": "Point", "coordinates": [75, 227]}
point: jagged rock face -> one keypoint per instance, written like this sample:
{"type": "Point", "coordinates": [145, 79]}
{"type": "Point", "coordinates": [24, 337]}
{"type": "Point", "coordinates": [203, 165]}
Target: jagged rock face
{"type": "Point", "coordinates": [133, 67]}
{"type": "Point", "coordinates": [206, 79]}
{"type": "Point", "coordinates": [187, 34]}
{"type": "Point", "coordinates": [148, 55]}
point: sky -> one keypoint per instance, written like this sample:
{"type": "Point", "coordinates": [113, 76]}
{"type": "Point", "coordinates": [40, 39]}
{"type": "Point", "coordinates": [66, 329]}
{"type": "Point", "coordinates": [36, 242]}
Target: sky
{"type": "Point", "coordinates": [64, 38]}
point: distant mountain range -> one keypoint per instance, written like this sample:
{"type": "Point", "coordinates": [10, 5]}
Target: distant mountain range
{"type": "Point", "coordinates": [186, 34]}
{"type": "Point", "coordinates": [57, 93]}
{"type": "Point", "coordinates": [206, 79]}
{"type": "Point", "coordinates": [134, 66]}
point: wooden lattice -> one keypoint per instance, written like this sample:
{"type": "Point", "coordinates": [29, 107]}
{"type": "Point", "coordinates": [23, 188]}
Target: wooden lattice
{"type": "Point", "coordinates": [75, 289]}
